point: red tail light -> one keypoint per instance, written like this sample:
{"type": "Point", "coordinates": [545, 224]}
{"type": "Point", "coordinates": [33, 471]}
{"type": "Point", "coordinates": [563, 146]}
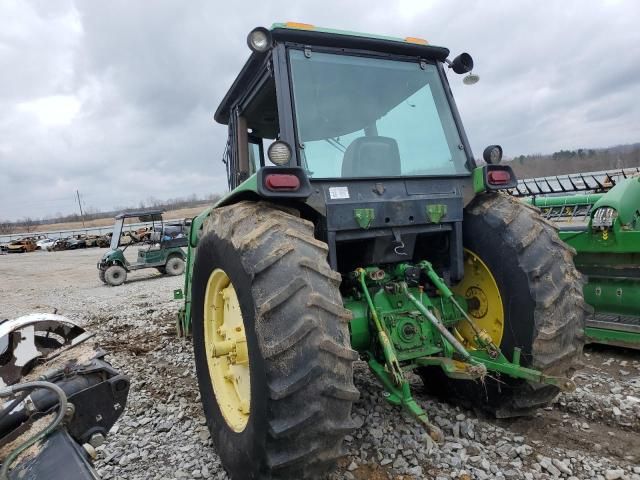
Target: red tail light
{"type": "Point", "coordinates": [282, 182]}
{"type": "Point", "coordinates": [498, 177]}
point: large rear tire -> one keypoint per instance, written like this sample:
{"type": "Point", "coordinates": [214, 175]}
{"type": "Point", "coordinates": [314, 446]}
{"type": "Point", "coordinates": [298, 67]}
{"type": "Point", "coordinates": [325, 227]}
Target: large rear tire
{"type": "Point", "coordinates": [543, 308]}
{"type": "Point", "coordinates": [297, 341]}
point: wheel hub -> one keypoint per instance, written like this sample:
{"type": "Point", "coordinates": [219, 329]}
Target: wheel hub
{"type": "Point", "coordinates": [227, 351]}
{"type": "Point", "coordinates": [480, 289]}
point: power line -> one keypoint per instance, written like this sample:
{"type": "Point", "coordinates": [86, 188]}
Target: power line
{"type": "Point", "coordinates": [80, 205]}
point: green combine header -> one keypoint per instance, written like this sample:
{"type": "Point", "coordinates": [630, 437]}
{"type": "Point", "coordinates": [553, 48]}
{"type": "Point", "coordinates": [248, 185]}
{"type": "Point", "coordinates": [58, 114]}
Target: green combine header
{"type": "Point", "coordinates": [598, 214]}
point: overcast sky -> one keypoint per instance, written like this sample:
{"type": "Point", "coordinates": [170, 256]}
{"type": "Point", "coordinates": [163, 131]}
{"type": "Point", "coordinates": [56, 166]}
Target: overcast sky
{"type": "Point", "coordinates": [116, 98]}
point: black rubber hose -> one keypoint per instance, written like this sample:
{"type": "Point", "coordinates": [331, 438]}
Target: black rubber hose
{"type": "Point", "coordinates": [62, 409]}
{"type": "Point", "coordinates": [43, 400]}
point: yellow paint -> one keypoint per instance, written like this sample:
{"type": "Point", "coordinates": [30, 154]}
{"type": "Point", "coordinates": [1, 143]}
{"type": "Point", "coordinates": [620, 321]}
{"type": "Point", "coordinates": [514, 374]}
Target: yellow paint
{"type": "Point", "coordinates": [419, 41]}
{"type": "Point", "coordinates": [300, 26]}
{"type": "Point", "coordinates": [227, 353]}
{"type": "Point", "coordinates": [488, 316]}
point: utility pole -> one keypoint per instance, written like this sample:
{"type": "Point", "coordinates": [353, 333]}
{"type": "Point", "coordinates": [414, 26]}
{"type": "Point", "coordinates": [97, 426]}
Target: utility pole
{"type": "Point", "coordinates": [80, 205]}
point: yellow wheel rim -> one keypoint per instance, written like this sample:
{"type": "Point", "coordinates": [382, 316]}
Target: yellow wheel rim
{"type": "Point", "coordinates": [226, 347]}
{"type": "Point", "coordinates": [483, 297]}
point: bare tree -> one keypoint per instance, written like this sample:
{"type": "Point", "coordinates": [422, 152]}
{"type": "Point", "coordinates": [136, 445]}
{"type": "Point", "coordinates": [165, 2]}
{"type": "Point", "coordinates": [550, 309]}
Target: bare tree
{"type": "Point", "coordinates": [6, 226]}
{"type": "Point", "coordinates": [28, 223]}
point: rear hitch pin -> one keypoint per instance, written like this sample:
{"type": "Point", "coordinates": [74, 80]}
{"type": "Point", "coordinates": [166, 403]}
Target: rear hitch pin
{"type": "Point", "coordinates": [398, 249]}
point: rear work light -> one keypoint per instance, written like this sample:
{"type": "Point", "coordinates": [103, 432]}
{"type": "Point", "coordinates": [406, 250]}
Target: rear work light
{"type": "Point", "coordinates": [498, 177]}
{"type": "Point", "coordinates": [282, 182]}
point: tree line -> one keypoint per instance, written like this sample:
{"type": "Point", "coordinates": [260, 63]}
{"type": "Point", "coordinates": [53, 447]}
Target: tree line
{"type": "Point", "coordinates": [576, 161]}
{"type": "Point", "coordinates": [31, 224]}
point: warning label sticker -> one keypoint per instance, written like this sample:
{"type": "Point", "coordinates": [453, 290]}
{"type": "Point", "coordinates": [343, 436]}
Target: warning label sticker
{"type": "Point", "coordinates": [338, 193]}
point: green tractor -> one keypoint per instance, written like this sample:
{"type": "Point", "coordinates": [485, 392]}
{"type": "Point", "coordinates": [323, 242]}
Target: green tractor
{"type": "Point", "coordinates": [598, 214]}
{"type": "Point", "coordinates": [162, 248]}
{"type": "Point", "coordinates": [359, 227]}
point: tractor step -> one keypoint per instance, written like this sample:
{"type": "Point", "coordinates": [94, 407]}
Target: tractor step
{"type": "Point", "coordinates": [623, 323]}
{"type": "Point", "coordinates": [616, 330]}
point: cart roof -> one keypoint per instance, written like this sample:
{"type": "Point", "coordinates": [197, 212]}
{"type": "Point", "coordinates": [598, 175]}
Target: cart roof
{"type": "Point", "coordinates": [153, 214]}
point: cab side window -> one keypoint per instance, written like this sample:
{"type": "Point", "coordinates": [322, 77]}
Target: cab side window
{"type": "Point", "coordinates": [261, 115]}
{"type": "Point", "coordinates": [256, 153]}
{"type": "Point", "coordinates": [252, 127]}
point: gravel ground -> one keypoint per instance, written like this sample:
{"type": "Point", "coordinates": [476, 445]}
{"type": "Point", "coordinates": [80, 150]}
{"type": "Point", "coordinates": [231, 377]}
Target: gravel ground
{"type": "Point", "coordinates": [592, 433]}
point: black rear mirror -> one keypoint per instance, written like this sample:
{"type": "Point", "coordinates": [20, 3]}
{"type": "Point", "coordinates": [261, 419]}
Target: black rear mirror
{"type": "Point", "coordinates": [463, 63]}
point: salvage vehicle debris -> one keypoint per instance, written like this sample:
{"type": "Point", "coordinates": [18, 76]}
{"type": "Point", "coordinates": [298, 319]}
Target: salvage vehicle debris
{"type": "Point", "coordinates": [22, 245]}
{"type": "Point", "coordinates": [45, 243]}
{"type": "Point", "coordinates": [60, 396]}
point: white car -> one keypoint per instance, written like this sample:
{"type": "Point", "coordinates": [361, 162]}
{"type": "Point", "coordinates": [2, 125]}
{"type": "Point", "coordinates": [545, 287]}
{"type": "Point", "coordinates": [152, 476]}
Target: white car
{"type": "Point", "coordinates": [44, 243]}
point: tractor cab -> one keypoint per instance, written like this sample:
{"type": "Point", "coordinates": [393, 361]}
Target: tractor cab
{"type": "Point", "coordinates": [160, 246]}
{"type": "Point", "coordinates": [364, 131]}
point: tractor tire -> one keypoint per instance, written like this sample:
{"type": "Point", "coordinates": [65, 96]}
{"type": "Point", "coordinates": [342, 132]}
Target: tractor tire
{"type": "Point", "coordinates": [101, 276]}
{"type": "Point", "coordinates": [297, 337]}
{"type": "Point", "coordinates": [174, 266]}
{"type": "Point", "coordinates": [544, 309]}
{"type": "Point", "coordinates": [115, 275]}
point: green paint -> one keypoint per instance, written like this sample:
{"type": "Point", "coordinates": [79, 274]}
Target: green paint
{"type": "Point", "coordinates": [516, 355]}
{"type": "Point", "coordinates": [564, 201]}
{"type": "Point", "coordinates": [390, 327]}
{"type": "Point", "coordinates": [478, 180]}
{"type": "Point", "coordinates": [156, 257]}
{"type": "Point", "coordinates": [435, 279]}
{"type": "Point", "coordinates": [400, 395]}
{"type": "Point", "coordinates": [435, 212]}
{"type": "Point", "coordinates": [196, 227]}
{"type": "Point", "coordinates": [619, 296]}
{"type": "Point", "coordinates": [501, 364]}
{"type": "Point", "coordinates": [247, 188]}
{"type": "Point", "coordinates": [111, 257]}
{"type": "Point", "coordinates": [391, 374]}
{"type": "Point", "coordinates": [195, 231]}
{"type": "Point", "coordinates": [607, 336]}
{"type": "Point", "coordinates": [622, 238]}
{"type": "Point", "coordinates": [364, 216]}
{"type": "Point", "coordinates": [625, 198]}
{"type": "Point", "coordinates": [610, 257]}
{"type": "Point", "coordinates": [359, 326]}
{"type": "Point", "coordinates": [388, 351]}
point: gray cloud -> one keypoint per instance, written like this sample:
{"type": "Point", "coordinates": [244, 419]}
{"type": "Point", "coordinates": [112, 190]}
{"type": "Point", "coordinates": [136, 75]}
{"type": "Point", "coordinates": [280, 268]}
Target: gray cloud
{"type": "Point", "coordinates": [116, 98]}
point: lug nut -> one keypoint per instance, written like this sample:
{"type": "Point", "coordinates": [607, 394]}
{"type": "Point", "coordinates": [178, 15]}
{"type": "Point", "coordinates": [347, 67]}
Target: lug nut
{"type": "Point", "coordinates": [96, 440]}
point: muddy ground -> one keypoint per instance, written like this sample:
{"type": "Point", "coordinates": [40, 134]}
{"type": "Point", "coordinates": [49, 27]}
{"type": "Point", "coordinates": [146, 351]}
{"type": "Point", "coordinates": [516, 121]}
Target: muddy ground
{"type": "Point", "coordinates": [593, 432]}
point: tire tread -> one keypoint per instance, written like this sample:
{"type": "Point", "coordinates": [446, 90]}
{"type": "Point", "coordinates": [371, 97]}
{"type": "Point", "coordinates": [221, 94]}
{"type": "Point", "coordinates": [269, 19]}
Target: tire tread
{"type": "Point", "coordinates": [302, 330]}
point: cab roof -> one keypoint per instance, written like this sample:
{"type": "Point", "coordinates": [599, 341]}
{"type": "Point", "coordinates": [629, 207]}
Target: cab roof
{"type": "Point", "coordinates": [310, 35]}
